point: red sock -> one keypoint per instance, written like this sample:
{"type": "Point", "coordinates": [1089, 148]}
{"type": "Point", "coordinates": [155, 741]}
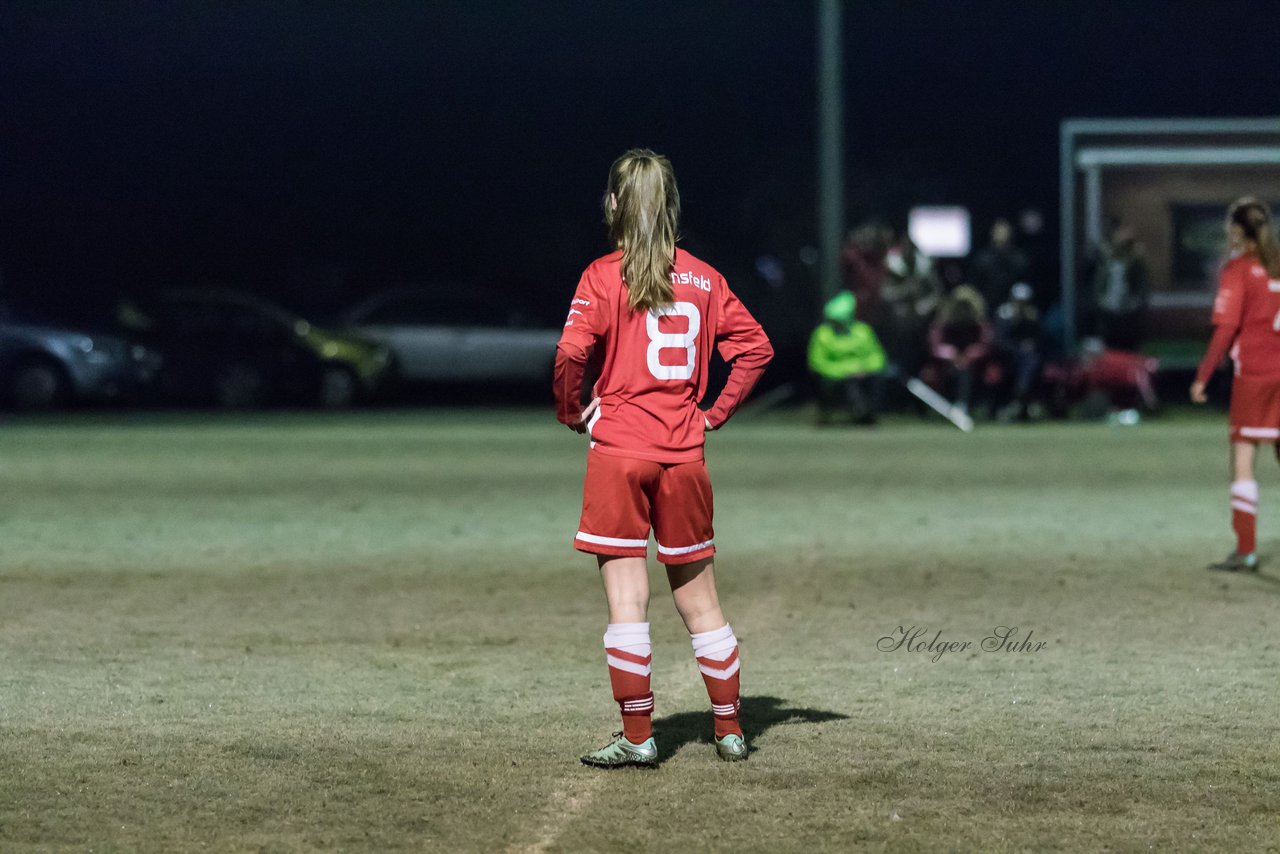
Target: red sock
{"type": "Point", "coordinates": [717, 654]}
{"type": "Point", "coordinates": [630, 657]}
{"type": "Point", "coordinates": [1244, 515]}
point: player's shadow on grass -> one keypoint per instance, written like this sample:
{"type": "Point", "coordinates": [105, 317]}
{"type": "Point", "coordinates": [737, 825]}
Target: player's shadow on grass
{"type": "Point", "coordinates": [758, 716]}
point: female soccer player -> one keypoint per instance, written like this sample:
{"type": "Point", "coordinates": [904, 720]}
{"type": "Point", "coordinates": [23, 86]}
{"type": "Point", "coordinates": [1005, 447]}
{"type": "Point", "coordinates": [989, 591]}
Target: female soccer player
{"type": "Point", "coordinates": [655, 311]}
{"type": "Point", "coordinates": [1246, 319]}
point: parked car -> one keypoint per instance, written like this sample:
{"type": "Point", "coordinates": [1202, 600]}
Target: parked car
{"type": "Point", "coordinates": [45, 365]}
{"type": "Point", "coordinates": [237, 350]}
{"type": "Point", "coordinates": [457, 336]}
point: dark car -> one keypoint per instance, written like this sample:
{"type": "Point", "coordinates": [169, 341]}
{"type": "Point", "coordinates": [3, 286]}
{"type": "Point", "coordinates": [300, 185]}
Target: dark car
{"type": "Point", "coordinates": [236, 350]}
{"type": "Point", "coordinates": [43, 365]}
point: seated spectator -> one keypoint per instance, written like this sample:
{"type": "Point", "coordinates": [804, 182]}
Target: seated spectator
{"type": "Point", "coordinates": [1018, 341]}
{"type": "Point", "coordinates": [847, 359]}
{"type": "Point", "coordinates": [960, 341]}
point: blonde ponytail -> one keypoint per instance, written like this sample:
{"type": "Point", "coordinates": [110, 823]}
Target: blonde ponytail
{"type": "Point", "coordinates": [1254, 218]}
{"type": "Point", "coordinates": [642, 210]}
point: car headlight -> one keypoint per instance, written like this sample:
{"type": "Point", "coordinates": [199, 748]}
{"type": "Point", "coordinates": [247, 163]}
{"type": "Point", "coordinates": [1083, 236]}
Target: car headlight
{"type": "Point", "coordinates": [102, 349]}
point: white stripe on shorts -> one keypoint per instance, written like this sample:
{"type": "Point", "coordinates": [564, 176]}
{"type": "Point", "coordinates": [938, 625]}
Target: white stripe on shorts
{"type": "Point", "coordinates": [684, 550]}
{"type": "Point", "coordinates": [1260, 432]}
{"type": "Point", "coordinates": [612, 541]}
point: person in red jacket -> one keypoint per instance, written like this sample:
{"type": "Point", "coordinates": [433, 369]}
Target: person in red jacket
{"type": "Point", "coordinates": [654, 313]}
{"type": "Point", "coordinates": [1246, 320]}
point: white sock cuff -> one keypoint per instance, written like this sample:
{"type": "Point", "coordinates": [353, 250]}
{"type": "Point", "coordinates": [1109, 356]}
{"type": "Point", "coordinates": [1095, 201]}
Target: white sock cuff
{"type": "Point", "coordinates": [1246, 489]}
{"type": "Point", "coordinates": [716, 644]}
{"type": "Point", "coordinates": [628, 636]}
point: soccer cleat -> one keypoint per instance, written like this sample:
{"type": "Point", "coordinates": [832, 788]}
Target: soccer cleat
{"type": "Point", "coordinates": [731, 748]}
{"type": "Point", "coordinates": [622, 753]}
{"type": "Point", "coordinates": [1236, 562]}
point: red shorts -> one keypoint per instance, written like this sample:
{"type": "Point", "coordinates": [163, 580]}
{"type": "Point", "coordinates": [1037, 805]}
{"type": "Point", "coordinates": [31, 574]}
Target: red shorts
{"type": "Point", "coordinates": [623, 498]}
{"type": "Point", "coordinates": [1255, 409]}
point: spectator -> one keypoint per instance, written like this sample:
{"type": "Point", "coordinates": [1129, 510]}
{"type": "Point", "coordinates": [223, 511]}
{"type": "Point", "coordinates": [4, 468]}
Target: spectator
{"type": "Point", "coordinates": [1105, 381]}
{"type": "Point", "coordinates": [1001, 265]}
{"type": "Point", "coordinates": [1121, 286]}
{"type": "Point", "coordinates": [911, 294]}
{"type": "Point", "coordinates": [960, 340]}
{"type": "Point", "coordinates": [1018, 339]}
{"type": "Point", "coordinates": [863, 263]}
{"type": "Point", "coordinates": [847, 358]}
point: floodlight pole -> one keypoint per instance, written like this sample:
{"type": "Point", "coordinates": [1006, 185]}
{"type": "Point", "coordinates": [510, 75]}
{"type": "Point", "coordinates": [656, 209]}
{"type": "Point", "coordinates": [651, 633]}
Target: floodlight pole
{"type": "Point", "coordinates": [830, 145]}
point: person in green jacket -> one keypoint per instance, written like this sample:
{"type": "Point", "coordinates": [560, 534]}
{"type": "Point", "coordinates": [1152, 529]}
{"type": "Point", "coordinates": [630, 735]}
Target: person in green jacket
{"type": "Point", "coordinates": [847, 359]}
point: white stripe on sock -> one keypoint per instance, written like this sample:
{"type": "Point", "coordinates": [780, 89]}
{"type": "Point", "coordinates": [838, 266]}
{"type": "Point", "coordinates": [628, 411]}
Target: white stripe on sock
{"type": "Point", "coordinates": [720, 674]}
{"type": "Point", "coordinates": [629, 666]}
{"type": "Point", "coordinates": [1246, 490]}
{"type": "Point", "coordinates": [717, 644]}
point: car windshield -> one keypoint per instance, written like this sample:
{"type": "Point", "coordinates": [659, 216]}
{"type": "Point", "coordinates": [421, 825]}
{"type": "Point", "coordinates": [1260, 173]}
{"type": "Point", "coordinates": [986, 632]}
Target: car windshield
{"type": "Point", "coordinates": [236, 304]}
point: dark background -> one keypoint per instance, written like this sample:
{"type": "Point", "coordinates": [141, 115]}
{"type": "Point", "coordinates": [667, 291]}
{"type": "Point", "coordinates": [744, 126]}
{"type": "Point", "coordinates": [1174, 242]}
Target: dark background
{"type": "Point", "coordinates": [316, 151]}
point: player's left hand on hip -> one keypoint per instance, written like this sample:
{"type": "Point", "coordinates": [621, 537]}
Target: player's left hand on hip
{"type": "Point", "coordinates": [581, 426]}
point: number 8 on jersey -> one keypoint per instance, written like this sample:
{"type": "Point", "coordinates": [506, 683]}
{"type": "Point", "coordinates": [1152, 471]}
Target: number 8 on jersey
{"type": "Point", "coordinates": [659, 341]}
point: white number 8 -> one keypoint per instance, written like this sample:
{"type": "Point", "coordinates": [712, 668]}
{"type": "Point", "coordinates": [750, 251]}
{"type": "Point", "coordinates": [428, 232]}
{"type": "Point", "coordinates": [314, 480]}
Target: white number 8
{"type": "Point", "coordinates": [659, 341]}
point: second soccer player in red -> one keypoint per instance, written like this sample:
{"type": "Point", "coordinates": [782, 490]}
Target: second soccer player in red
{"type": "Point", "coordinates": [1246, 320]}
{"type": "Point", "coordinates": [655, 312]}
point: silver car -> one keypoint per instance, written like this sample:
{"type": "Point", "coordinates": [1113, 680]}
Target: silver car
{"type": "Point", "coordinates": [454, 337]}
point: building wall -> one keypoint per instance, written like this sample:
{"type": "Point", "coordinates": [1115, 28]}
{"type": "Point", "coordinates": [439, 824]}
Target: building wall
{"type": "Point", "coordinates": [1144, 198]}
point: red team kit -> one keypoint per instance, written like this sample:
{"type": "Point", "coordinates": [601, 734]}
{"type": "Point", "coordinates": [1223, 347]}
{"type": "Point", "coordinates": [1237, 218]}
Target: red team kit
{"type": "Point", "coordinates": [1246, 320]}
{"type": "Point", "coordinates": [647, 430]}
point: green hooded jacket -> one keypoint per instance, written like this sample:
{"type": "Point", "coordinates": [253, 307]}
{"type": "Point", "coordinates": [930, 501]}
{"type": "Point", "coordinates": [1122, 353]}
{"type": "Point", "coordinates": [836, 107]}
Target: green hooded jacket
{"type": "Point", "coordinates": [842, 347]}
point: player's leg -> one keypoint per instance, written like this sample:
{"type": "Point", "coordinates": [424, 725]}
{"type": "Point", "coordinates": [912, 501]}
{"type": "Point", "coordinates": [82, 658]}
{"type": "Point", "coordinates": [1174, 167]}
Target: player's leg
{"type": "Point", "coordinates": [615, 528]}
{"type": "Point", "coordinates": [1255, 410]}
{"type": "Point", "coordinates": [693, 586]}
{"type": "Point", "coordinates": [682, 517]}
{"type": "Point", "coordinates": [1244, 508]}
{"type": "Point", "coordinates": [715, 648]}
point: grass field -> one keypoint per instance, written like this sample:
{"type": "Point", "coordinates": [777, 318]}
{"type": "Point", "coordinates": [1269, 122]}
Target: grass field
{"type": "Point", "coordinates": [369, 632]}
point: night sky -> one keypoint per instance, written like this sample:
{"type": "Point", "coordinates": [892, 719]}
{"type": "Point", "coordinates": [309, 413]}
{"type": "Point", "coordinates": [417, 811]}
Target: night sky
{"type": "Point", "coordinates": [272, 145]}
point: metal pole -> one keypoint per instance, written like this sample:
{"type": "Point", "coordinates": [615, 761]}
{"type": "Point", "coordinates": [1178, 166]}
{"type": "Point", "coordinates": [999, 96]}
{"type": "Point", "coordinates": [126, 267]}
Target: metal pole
{"type": "Point", "coordinates": [1093, 205]}
{"type": "Point", "coordinates": [830, 145]}
{"type": "Point", "coordinates": [1067, 232]}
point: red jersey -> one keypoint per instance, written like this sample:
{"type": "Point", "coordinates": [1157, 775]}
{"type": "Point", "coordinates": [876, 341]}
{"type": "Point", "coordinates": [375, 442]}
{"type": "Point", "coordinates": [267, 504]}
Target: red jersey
{"type": "Point", "coordinates": [654, 370]}
{"type": "Point", "coordinates": [1246, 317]}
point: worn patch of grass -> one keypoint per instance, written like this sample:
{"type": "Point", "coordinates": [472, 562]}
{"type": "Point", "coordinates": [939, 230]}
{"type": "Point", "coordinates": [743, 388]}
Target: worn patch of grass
{"type": "Point", "coordinates": [369, 632]}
